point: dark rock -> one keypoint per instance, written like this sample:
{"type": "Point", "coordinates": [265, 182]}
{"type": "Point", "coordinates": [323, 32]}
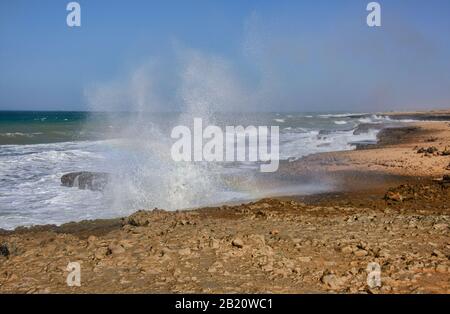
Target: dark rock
{"type": "Point", "coordinates": [396, 135]}
{"type": "Point", "coordinates": [420, 116]}
{"type": "Point", "coordinates": [446, 152]}
{"type": "Point", "coordinates": [237, 242]}
{"type": "Point", "coordinates": [95, 181]}
{"type": "Point", "coordinates": [429, 150]}
{"type": "Point", "coordinates": [421, 150]}
{"type": "Point", "coordinates": [444, 182]}
{"type": "Point", "coordinates": [325, 132]}
{"type": "Point", "coordinates": [4, 251]}
{"type": "Point", "coordinates": [437, 190]}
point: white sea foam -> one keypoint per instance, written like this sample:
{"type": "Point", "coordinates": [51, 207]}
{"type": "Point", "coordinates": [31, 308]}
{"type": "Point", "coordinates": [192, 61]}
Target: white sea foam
{"type": "Point", "coordinates": [18, 134]}
{"type": "Point", "coordinates": [296, 145]}
{"type": "Point", "coordinates": [144, 175]}
{"type": "Point", "coordinates": [340, 115]}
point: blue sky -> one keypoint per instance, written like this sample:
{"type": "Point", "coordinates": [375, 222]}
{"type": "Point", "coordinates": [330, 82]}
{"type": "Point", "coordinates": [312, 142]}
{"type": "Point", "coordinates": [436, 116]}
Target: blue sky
{"type": "Point", "coordinates": [253, 55]}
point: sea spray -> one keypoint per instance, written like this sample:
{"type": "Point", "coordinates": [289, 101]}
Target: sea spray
{"type": "Point", "coordinates": [144, 174]}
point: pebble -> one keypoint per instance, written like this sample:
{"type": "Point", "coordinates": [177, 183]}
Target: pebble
{"type": "Point", "coordinates": [360, 253]}
{"type": "Point", "coordinates": [237, 242]}
{"type": "Point", "coordinates": [116, 249]}
{"type": "Point", "coordinates": [440, 226]}
{"type": "Point", "coordinates": [185, 251]}
{"type": "Point", "coordinates": [441, 268]}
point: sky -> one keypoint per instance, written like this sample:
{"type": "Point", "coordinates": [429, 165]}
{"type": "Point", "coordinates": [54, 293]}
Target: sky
{"type": "Point", "coordinates": [252, 55]}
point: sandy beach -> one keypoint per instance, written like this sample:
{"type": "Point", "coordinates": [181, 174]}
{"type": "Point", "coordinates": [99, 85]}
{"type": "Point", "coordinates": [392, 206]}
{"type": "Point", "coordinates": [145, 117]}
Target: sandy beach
{"type": "Point", "coordinates": [390, 206]}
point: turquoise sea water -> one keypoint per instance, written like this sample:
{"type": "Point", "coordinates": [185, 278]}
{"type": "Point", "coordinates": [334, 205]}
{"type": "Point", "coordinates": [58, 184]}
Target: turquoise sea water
{"type": "Point", "coordinates": [32, 127]}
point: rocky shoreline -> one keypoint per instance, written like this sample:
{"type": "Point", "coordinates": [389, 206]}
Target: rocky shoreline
{"type": "Point", "coordinates": [387, 209]}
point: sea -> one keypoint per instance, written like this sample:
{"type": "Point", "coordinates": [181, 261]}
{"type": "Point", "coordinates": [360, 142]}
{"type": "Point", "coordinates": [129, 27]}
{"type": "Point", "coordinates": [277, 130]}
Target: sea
{"type": "Point", "coordinates": [37, 148]}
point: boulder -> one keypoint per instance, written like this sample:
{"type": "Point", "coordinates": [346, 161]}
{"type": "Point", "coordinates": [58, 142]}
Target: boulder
{"type": "Point", "coordinates": [445, 181]}
{"type": "Point", "coordinates": [237, 242]}
{"type": "Point", "coordinates": [95, 181]}
{"type": "Point", "coordinates": [446, 152]}
{"type": "Point", "coordinates": [4, 250]}
{"type": "Point", "coordinates": [429, 150]}
{"type": "Point", "coordinates": [393, 196]}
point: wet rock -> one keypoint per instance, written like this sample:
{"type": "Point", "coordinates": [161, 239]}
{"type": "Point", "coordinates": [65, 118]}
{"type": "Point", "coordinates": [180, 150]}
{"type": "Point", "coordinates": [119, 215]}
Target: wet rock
{"type": "Point", "coordinates": [95, 181]}
{"type": "Point", "coordinates": [366, 127]}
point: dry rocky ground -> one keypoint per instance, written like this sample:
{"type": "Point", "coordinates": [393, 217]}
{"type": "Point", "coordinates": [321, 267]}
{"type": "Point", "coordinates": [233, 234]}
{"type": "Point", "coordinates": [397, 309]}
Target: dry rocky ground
{"type": "Point", "coordinates": [267, 246]}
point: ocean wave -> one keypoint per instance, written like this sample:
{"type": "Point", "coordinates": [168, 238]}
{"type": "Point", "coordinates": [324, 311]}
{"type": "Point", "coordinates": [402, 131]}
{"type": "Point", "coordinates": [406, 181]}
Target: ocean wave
{"type": "Point", "coordinates": [296, 145]}
{"type": "Point", "coordinates": [19, 134]}
{"type": "Point", "coordinates": [340, 115]}
{"type": "Point", "coordinates": [374, 119]}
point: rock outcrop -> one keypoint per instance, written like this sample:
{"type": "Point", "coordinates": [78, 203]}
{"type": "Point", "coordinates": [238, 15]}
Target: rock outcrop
{"type": "Point", "coordinates": [95, 181]}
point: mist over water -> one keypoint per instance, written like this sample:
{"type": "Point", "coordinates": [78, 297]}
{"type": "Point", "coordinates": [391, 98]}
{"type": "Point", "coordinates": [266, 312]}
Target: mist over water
{"type": "Point", "coordinates": [207, 87]}
{"type": "Point", "coordinates": [145, 175]}
{"type": "Point", "coordinates": [127, 134]}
